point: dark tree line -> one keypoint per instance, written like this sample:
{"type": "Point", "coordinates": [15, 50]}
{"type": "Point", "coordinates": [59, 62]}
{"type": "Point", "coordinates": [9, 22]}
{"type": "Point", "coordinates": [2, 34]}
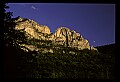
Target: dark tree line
{"type": "Point", "coordinates": [13, 56]}
{"type": "Point", "coordinates": [9, 49]}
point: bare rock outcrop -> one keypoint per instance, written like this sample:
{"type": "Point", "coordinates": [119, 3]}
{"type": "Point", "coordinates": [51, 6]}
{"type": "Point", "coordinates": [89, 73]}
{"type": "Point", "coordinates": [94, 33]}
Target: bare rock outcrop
{"type": "Point", "coordinates": [70, 38]}
{"type": "Point", "coordinates": [32, 29]}
{"type": "Point", "coordinates": [63, 36]}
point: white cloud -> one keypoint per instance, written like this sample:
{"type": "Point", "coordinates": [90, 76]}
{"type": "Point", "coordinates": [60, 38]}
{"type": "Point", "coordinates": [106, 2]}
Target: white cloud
{"type": "Point", "coordinates": [33, 7]}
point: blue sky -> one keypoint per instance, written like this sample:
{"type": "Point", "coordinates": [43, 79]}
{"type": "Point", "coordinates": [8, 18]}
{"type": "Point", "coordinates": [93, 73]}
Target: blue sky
{"type": "Point", "coordinates": [95, 22]}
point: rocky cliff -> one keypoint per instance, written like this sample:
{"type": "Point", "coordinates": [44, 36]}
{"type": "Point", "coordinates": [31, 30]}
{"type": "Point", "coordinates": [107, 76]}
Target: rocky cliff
{"type": "Point", "coordinates": [32, 51]}
{"type": "Point", "coordinates": [62, 37]}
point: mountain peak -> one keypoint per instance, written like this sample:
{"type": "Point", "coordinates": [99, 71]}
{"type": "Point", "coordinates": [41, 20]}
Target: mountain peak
{"type": "Point", "coordinates": [62, 36]}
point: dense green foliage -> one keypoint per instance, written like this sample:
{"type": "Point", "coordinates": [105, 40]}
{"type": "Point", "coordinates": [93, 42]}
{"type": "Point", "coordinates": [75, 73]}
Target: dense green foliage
{"type": "Point", "coordinates": [84, 64]}
{"type": "Point", "coordinates": [107, 58]}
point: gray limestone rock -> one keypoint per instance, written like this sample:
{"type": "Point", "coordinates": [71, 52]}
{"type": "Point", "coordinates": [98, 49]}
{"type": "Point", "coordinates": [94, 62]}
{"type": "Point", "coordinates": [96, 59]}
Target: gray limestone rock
{"type": "Point", "coordinates": [63, 35]}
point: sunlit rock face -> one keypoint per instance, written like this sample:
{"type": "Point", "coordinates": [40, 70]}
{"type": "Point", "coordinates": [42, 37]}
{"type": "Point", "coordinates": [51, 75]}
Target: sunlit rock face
{"type": "Point", "coordinates": [62, 36]}
{"type": "Point", "coordinates": [70, 38]}
{"type": "Point", "coordinates": [32, 29]}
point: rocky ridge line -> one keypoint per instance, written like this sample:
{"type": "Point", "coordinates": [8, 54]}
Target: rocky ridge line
{"type": "Point", "coordinates": [63, 36]}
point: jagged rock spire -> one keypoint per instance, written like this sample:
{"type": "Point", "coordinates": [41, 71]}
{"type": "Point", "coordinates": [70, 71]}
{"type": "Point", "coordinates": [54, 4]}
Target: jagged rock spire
{"type": "Point", "coordinates": [63, 35]}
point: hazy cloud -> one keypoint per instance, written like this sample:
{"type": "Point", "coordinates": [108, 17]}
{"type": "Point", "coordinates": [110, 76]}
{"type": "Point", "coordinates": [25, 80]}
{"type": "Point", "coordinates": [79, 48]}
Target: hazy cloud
{"type": "Point", "coordinates": [33, 7]}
